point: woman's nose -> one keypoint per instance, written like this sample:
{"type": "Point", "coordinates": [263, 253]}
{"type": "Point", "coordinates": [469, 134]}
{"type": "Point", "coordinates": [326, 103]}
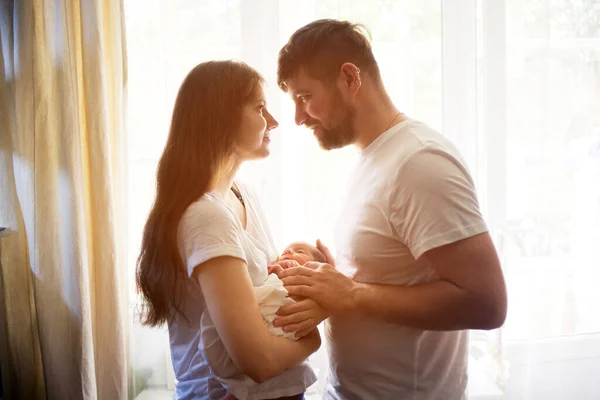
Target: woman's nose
{"type": "Point", "coordinates": [271, 121]}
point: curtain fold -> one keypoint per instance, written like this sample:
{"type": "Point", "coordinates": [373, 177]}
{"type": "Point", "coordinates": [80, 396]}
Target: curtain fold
{"type": "Point", "coordinates": [62, 191]}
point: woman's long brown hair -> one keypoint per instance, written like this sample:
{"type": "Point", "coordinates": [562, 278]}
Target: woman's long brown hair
{"type": "Point", "coordinates": [206, 118]}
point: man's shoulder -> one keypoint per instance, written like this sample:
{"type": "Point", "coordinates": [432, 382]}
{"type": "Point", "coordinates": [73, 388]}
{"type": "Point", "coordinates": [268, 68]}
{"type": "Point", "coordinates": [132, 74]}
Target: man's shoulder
{"type": "Point", "coordinates": [417, 141]}
{"type": "Point", "coordinates": [417, 136]}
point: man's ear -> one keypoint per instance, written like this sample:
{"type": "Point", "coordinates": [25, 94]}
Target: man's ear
{"type": "Point", "coordinates": [350, 74]}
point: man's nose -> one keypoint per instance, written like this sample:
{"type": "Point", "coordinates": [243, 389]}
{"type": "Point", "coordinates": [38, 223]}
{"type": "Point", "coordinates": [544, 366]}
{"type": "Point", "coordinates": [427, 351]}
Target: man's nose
{"type": "Point", "coordinates": [300, 115]}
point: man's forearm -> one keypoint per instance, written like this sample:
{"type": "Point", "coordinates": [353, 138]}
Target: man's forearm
{"type": "Point", "coordinates": [439, 305]}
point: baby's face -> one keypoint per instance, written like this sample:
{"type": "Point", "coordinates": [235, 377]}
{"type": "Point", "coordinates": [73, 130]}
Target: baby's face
{"type": "Point", "coordinates": [301, 253]}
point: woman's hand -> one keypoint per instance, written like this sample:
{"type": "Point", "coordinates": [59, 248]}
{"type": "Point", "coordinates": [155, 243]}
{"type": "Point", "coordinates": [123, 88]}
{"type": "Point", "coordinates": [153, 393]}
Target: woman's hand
{"type": "Point", "coordinates": [302, 317]}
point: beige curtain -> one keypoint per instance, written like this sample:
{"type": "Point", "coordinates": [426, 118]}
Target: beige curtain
{"type": "Point", "coordinates": [62, 99]}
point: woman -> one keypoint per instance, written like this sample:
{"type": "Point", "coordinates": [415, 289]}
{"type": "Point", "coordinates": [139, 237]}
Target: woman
{"type": "Point", "coordinates": [206, 244]}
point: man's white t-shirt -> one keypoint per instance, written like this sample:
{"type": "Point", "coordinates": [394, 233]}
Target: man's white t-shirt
{"type": "Point", "coordinates": [209, 229]}
{"type": "Point", "coordinates": [410, 192]}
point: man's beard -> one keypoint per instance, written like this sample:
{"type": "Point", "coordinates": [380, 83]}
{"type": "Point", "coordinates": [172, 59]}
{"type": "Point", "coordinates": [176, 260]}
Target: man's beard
{"type": "Point", "coordinates": [341, 135]}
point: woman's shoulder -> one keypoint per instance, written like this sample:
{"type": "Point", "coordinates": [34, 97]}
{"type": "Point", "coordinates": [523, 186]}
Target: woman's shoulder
{"type": "Point", "coordinates": [209, 209]}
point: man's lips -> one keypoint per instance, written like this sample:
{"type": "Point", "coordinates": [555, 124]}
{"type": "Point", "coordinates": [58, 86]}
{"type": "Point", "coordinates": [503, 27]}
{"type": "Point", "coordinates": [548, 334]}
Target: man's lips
{"type": "Point", "coordinates": [314, 128]}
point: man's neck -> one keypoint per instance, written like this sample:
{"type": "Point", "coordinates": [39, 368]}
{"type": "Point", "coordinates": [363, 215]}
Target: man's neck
{"type": "Point", "coordinates": [375, 115]}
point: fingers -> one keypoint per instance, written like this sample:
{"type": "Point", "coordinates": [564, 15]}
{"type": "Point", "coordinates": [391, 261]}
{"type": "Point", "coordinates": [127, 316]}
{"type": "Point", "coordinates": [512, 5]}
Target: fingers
{"type": "Point", "coordinates": [296, 280]}
{"type": "Point", "coordinates": [323, 249]}
{"type": "Point", "coordinates": [301, 317]}
{"type": "Point", "coordinates": [313, 265]}
{"type": "Point", "coordinates": [304, 332]}
{"type": "Point", "coordinates": [301, 291]}
{"type": "Point", "coordinates": [292, 319]}
{"type": "Point", "coordinates": [274, 269]}
{"type": "Point", "coordinates": [285, 264]}
{"type": "Point", "coordinates": [306, 324]}
{"type": "Point", "coordinates": [296, 271]}
{"type": "Point", "coordinates": [280, 266]}
{"type": "Point", "coordinates": [298, 307]}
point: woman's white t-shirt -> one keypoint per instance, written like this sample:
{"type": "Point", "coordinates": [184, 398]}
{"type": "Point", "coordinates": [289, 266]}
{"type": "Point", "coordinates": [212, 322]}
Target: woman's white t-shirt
{"type": "Point", "coordinates": [209, 229]}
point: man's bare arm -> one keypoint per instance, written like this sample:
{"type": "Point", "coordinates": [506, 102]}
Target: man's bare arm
{"type": "Point", "coordinates": [469, 294]}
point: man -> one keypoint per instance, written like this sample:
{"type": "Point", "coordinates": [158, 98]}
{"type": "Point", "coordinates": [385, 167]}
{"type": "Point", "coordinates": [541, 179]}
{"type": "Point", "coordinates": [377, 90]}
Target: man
{"type": "Point", "coordinates": [415, 265]}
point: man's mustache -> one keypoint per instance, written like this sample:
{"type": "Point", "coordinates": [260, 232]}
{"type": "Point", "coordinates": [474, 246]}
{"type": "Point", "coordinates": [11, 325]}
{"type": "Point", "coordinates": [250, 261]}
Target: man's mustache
{"type": "Point", "coordinates": [312, 124]}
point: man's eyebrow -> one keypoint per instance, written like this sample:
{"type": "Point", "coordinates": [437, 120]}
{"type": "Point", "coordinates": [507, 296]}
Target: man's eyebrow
{"type": "Point", "coordinates": [300, 93]}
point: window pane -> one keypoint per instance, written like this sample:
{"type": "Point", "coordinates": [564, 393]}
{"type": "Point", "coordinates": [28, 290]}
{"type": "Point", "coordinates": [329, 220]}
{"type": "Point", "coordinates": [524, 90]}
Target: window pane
{"type": "Point", "coordinates": [553, 188]}
{"type": "Point", "coordinates": [165, 39]}
{"type": "Point", "coordinates": [406, 39]}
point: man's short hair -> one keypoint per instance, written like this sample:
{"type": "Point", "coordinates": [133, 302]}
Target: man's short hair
{"type": "Point", "coordinates": [321, 48]}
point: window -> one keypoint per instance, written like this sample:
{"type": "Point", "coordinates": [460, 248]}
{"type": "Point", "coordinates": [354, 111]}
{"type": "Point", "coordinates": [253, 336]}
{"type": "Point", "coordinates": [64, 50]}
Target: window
{"type": "Point", "coordinates": [514, 83]}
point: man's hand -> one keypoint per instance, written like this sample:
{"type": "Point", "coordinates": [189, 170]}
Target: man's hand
{"type": "Point", "coordinates": [322, 283]}
{"type": "Point", "coordinates": [323, 249]}
{"type": "Point", "coordinates": [302, 317]}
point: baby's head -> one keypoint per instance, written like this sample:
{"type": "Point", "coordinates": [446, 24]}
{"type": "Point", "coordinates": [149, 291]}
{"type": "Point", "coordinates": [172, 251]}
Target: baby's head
{"type": "Point", "coordinates": [302, 253]}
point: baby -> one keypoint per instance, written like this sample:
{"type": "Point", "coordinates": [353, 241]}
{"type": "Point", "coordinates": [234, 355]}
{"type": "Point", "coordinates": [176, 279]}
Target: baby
{"type": "Point", "coordinates": [299, 252]}
{"type": "Point", "coordinates": [271, 295]}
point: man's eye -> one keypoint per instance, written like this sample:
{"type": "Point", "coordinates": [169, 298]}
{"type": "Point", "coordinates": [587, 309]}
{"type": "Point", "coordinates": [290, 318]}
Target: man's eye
{"type": "Point", "coordinates": [300, 251]}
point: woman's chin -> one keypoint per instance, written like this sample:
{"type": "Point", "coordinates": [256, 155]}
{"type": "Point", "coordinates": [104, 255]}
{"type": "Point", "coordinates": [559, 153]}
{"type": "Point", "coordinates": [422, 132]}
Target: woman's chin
{"type": "Point", "coordinates": [264, 152]}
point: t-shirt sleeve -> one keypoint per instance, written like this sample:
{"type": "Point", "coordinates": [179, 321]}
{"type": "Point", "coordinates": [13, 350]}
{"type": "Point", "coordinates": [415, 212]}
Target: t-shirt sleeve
{"type": "Point", "coordinates": [208, 230]}
{"type": "Point", "coordinates": [434, 202]}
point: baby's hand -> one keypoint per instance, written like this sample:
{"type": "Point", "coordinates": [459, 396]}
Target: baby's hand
{"type": "Point", "coordinates": [281, 265]}
{"type": "Point", "coordinates": [285, 264]}
{"type": "Point", "coordinates": [274, 269]}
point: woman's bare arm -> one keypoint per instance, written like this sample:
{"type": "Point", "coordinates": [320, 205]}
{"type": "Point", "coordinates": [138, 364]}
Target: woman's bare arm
{"type": "Point", "coordinates": [233, 307]}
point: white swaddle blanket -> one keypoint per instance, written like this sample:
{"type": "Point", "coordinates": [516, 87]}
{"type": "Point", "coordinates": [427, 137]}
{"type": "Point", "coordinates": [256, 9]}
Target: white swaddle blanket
{"type": "Point", "coordinates": [271, 295]}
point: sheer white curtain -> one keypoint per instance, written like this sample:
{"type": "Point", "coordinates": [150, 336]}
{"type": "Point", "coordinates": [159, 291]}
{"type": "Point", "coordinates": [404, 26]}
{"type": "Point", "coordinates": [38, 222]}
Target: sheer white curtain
{"type": "Point", "coordinates": [514, 83]}
{"type": "Point", "coordinates": [550, 207]}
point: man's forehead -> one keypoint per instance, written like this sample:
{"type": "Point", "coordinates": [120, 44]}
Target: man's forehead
{"type": "Point", "coordinates": [299, 82]}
